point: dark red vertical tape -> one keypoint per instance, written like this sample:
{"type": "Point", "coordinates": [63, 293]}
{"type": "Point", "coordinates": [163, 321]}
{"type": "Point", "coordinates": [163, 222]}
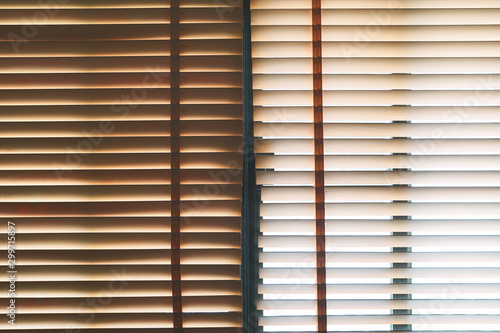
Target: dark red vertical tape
{"type": "Point", "coordinates": [175, 165]}
{"type": "Point", "coordinates": [319, 167]}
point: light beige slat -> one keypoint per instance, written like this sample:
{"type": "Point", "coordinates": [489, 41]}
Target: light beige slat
{"type": "Point", "coordinates": [378, 82]}
{"type": "Point", "coordinates": [407, 33]}
{"type": "Point", "coordinates": [387, 319]}
{"type": "Point", "coordinates": [362, 17]}
{"type": "Point", "coordinates": [451, 179]}
{"type": "Point", "coordinates": [374, 4]}
{"type": "Point", "coordinates": [373, 304]}
{"type": "Point", "coordinates": [423, 273]}
{"type": "Point", "coordinates": [280, 116]}
{"type": "Point", "coordinates": [289, 33]}
{"type": "Point", "coordinates": [281, 50]}
{"type": "Point", "coordinates": [382, 33]}
{"type": "Point", "coordinates": [459, 258]}
{"type": "Point", "coordinates": [379, 163]}
{"type": "Point", "coordinates": [425, 4]}
{"type": "Point", "coordinates": [385, 210]}
{"type": "Point", "coordinates": [400, 50]}
{"type": "Point", "coordinates": [281, 16]}
{"type": "Point", "coordinates": [480, 97]}
{"type": "Point", "coordinates": [429, 65]}
{"type": "Point", "coordinates": [365, 98]}
{"type": "Point", "coordinates": [282, 146]}
{"type": "Point", "coordinates": [467, 242]}
{"type": "Point", "coordinates": [283, 65]}
{"type": "Point", "coordinates": [445, 16]}
{"type": "Point", "coordinates": [413, 82]}
{"type": "Point", "coordinates": [383, 194]}
{"type": "Point", "coordinates": [474, 147]}
{"type": "Point", "coordinates": [436, 227]}
{"type": "Point", "coordinates": [275, 4]}
{"type": "Point", "coordinates": [382, 289]}
{"type": "Point", "coordinates": [353, 130]}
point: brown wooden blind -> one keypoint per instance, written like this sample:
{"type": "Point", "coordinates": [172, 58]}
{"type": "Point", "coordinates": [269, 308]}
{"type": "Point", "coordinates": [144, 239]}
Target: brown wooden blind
{"type": "Point", "coordinates": [87, 95]}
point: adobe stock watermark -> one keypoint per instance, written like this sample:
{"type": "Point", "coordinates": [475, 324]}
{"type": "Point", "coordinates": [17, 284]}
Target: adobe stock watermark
{"type": "Point", "coordinates": [12, 272]}
{"type": "Point", "coordinates": [367, 34]}
{"type": "Point", "coordinates": [224, 6]}
{"type": "Point", "coordinates": [103, 298]}
{"type": "Point", "coordinates": [456, 116]}
{"type": "Point", "coordinates": [233, 168]}
{"type": "Point", "coordinates": [92, 139]}
{"type": "Point", "coordinates": [31, 26]}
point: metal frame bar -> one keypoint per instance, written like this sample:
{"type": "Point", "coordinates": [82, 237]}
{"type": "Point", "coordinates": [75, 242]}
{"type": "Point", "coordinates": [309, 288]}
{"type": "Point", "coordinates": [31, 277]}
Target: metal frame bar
{"type": "Point", "coordinates": [251, 202]}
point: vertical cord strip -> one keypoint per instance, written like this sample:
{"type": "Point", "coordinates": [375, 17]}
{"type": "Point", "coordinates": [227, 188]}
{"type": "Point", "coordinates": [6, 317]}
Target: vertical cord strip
{"type": "Point", "coordinates": [175, 165]}
{"type": "Point", "coordinates": [319, 167]}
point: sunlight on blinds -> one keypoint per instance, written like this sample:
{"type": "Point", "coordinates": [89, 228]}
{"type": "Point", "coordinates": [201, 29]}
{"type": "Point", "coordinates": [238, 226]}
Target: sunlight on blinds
{"type": "Point", "coordinates": [411, 93]}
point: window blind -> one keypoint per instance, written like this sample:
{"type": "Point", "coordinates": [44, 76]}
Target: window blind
{"type": "Point", "coordinates": [121, 131]}
{"type": "Point", "coordinates": [410, 95]}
